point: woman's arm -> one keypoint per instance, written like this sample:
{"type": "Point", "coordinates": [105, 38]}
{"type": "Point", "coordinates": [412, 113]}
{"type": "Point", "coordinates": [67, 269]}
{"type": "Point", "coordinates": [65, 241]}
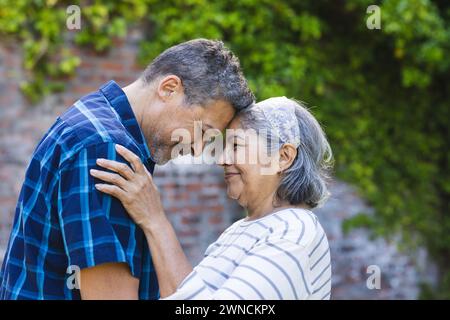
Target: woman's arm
{"type": "Point", "coordinates": [169, 259]}
{"type": "Point", "coordinates": [140, 197]}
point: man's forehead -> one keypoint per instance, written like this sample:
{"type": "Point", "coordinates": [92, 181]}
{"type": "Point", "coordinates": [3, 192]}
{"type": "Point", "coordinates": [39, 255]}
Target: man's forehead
{"type": "Point", "coordinates": [220, 118]}
{"type": "Point", "coordinates": [218, 108]}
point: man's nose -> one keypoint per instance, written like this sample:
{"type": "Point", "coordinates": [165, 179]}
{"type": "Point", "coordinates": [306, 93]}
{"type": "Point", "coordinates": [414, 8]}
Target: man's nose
{"type": "Point", "coordinates": [224, 158]}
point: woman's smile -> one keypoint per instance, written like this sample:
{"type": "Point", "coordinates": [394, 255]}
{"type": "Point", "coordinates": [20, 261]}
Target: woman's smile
{"type": "Point", "coordinates": [230, 175]}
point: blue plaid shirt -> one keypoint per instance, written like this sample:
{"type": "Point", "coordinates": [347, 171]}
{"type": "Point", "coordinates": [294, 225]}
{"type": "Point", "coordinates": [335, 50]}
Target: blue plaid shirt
{"type": "Point", "coordinates": [61, 220]}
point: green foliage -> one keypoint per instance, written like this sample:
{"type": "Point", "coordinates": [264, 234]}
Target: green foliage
{"type": "Point", "coordinates": [382, 95]}
{"type": "Point", "coordinates": [40, 26]}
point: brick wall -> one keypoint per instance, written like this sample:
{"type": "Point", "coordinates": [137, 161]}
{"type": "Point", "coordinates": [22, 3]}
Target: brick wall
{"type": "Point", "coordinates": [193, 195]}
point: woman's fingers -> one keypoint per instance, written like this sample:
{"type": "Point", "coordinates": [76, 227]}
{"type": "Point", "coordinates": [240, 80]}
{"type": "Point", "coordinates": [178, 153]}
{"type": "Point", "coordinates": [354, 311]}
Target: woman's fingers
{"type": "Point", "coordinates": [113, 178]}
{"type": "Point", "coordinates": [119, 167]}
{"type": "Point", "coordinates": [111, 190]}
{"type": "Point", "coordinates": [131, 158]}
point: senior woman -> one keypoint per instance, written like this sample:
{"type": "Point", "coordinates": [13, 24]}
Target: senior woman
{"type": "Point", "coordinates": [280, 250]}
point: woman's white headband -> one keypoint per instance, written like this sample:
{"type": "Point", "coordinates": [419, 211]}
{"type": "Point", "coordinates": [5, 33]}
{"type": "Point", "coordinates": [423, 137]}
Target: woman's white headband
{"type": "Point", "coordinates": [280, 114]}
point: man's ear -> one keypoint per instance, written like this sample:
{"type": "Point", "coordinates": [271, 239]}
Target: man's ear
{"type": "Point", "coordinates": [288, 153]}
{"type": "Point", "coordinates": [169, 86]}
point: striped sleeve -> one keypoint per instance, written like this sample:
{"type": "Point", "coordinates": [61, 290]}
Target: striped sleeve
{"type": "Point", "coordinates": [274, 269]}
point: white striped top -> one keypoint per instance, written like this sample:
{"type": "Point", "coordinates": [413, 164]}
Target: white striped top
{"type": "Point", "coordinates": [284, 255]}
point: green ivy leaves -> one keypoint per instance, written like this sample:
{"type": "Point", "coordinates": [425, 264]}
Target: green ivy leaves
{"type": "Point", "coordinates": [382, 95]}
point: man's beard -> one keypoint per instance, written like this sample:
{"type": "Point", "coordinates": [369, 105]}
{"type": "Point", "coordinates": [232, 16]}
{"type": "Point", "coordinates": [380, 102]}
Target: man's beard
{"type": "Point", "coordinates": [161, 155]}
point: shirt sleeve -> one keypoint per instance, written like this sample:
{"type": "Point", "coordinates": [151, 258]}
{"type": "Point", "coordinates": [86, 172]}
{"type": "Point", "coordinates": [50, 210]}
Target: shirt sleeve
{"type": "Point", "coordinates": [275, 269]}
{"type": "Point", "coordinates": [95, 227]}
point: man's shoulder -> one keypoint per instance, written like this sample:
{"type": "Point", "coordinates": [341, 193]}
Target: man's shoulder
{"type": "Point", "coordinates": [93, 120]}
{"type": "Point", "coordinates": [90, 122]}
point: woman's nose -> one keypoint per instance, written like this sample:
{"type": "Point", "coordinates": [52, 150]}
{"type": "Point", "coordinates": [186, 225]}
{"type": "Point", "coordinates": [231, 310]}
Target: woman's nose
{"type": "Point", "coordinates": [223, 158]}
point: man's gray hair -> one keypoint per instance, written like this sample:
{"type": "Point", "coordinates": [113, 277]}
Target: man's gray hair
{"type": "Point", "coordinates": [304, 182]}
{"type": "Point", "coordinates": [208, 72]}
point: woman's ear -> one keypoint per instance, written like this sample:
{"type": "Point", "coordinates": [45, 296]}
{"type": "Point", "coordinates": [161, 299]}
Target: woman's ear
{"type": "Point", "coordinates": [288, 153]}
{"type": "Point", "coordinates": [168, 86]}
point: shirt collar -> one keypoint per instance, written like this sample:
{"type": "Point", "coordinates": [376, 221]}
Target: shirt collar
{"type": "Point", "coordinates": [119, 101]}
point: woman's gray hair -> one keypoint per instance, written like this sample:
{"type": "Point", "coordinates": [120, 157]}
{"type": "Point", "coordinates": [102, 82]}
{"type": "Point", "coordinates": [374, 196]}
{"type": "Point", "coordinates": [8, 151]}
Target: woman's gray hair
{"type": "Point", "coordinates": [305, 181]}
